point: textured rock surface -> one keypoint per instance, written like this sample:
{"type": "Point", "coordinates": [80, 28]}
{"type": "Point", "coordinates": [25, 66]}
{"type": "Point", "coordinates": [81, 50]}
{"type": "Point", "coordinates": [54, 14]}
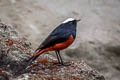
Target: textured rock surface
{"type": "Point", "coordinates": [14, 51]}
{"type": "Point", "coordinates": [98, 35]}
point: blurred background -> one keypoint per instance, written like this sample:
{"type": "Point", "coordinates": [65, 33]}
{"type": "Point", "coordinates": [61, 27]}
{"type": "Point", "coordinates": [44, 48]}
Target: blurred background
{"type": "Point", "coordinates": [98, 33]}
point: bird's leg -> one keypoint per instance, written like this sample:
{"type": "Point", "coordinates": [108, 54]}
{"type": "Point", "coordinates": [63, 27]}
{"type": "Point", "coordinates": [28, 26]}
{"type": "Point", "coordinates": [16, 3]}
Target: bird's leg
{"type": "Point", "coordinates": [61, 61]}
{"type": "Point", "coordinates": [57, 56]}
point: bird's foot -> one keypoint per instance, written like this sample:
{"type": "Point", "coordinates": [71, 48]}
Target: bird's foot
{"type": "Point", "coordinates": [63, 64]}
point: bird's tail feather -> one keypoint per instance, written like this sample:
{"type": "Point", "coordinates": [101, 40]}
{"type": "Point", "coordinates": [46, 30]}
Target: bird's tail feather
{"type": "Point", "coordinates": [35, 55]}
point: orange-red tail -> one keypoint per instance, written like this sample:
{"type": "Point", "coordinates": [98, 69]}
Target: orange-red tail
{"type": "Point", "coordinates": [36, 55]}
{"type": "Point", "coordinates": [38, 52]}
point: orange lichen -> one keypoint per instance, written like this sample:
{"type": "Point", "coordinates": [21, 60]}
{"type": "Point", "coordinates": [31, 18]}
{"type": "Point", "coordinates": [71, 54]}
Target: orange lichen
{"type": "Point", "coordinates": [1, 70]}
{"type": "Point", "coordinates": [9, 42]}
{"type": "Point", "coordinates": [43, 60]}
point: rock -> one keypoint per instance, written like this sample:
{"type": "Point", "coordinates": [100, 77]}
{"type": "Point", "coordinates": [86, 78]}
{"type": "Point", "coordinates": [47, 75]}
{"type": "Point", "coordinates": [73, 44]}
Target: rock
{"type": "Point", "coordinates": [15, 51]}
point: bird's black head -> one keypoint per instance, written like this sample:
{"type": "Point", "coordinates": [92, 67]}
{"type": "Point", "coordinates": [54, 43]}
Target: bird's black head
{"type": "Point", "coordinates": [71, 21]}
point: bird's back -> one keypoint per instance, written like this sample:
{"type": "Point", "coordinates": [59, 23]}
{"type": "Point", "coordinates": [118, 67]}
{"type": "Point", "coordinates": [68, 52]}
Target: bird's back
{"type": "Point", "coordinates": [58, 35]}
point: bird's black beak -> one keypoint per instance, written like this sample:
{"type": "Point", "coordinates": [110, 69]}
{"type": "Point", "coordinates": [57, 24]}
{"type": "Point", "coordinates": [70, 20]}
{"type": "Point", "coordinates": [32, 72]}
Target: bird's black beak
{"type": "Point", "coordinates": [78, 20]}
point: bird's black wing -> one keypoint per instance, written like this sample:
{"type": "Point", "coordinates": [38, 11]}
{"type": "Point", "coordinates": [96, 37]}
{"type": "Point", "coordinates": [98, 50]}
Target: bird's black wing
{"type": "Point", "coordinates": [57, 36]}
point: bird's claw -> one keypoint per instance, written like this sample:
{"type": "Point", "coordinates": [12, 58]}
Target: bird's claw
{"type": "Point", "coordinates": [63, 64]}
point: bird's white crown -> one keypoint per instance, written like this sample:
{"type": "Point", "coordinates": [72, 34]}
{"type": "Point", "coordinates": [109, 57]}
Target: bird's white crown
{"type": "Point", "coordinates": [67, 20]}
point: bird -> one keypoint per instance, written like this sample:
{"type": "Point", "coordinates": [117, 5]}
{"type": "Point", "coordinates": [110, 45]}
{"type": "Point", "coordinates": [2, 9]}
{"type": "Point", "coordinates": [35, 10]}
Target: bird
{"type": "Point", "coordinates": [60, 38]}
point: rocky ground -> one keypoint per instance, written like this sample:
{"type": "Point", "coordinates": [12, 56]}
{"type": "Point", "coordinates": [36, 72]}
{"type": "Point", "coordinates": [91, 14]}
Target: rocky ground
{"type": "Point", "coordinates": [14, 64]}
{"type": "Point", "coordinates": [98, 39]}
